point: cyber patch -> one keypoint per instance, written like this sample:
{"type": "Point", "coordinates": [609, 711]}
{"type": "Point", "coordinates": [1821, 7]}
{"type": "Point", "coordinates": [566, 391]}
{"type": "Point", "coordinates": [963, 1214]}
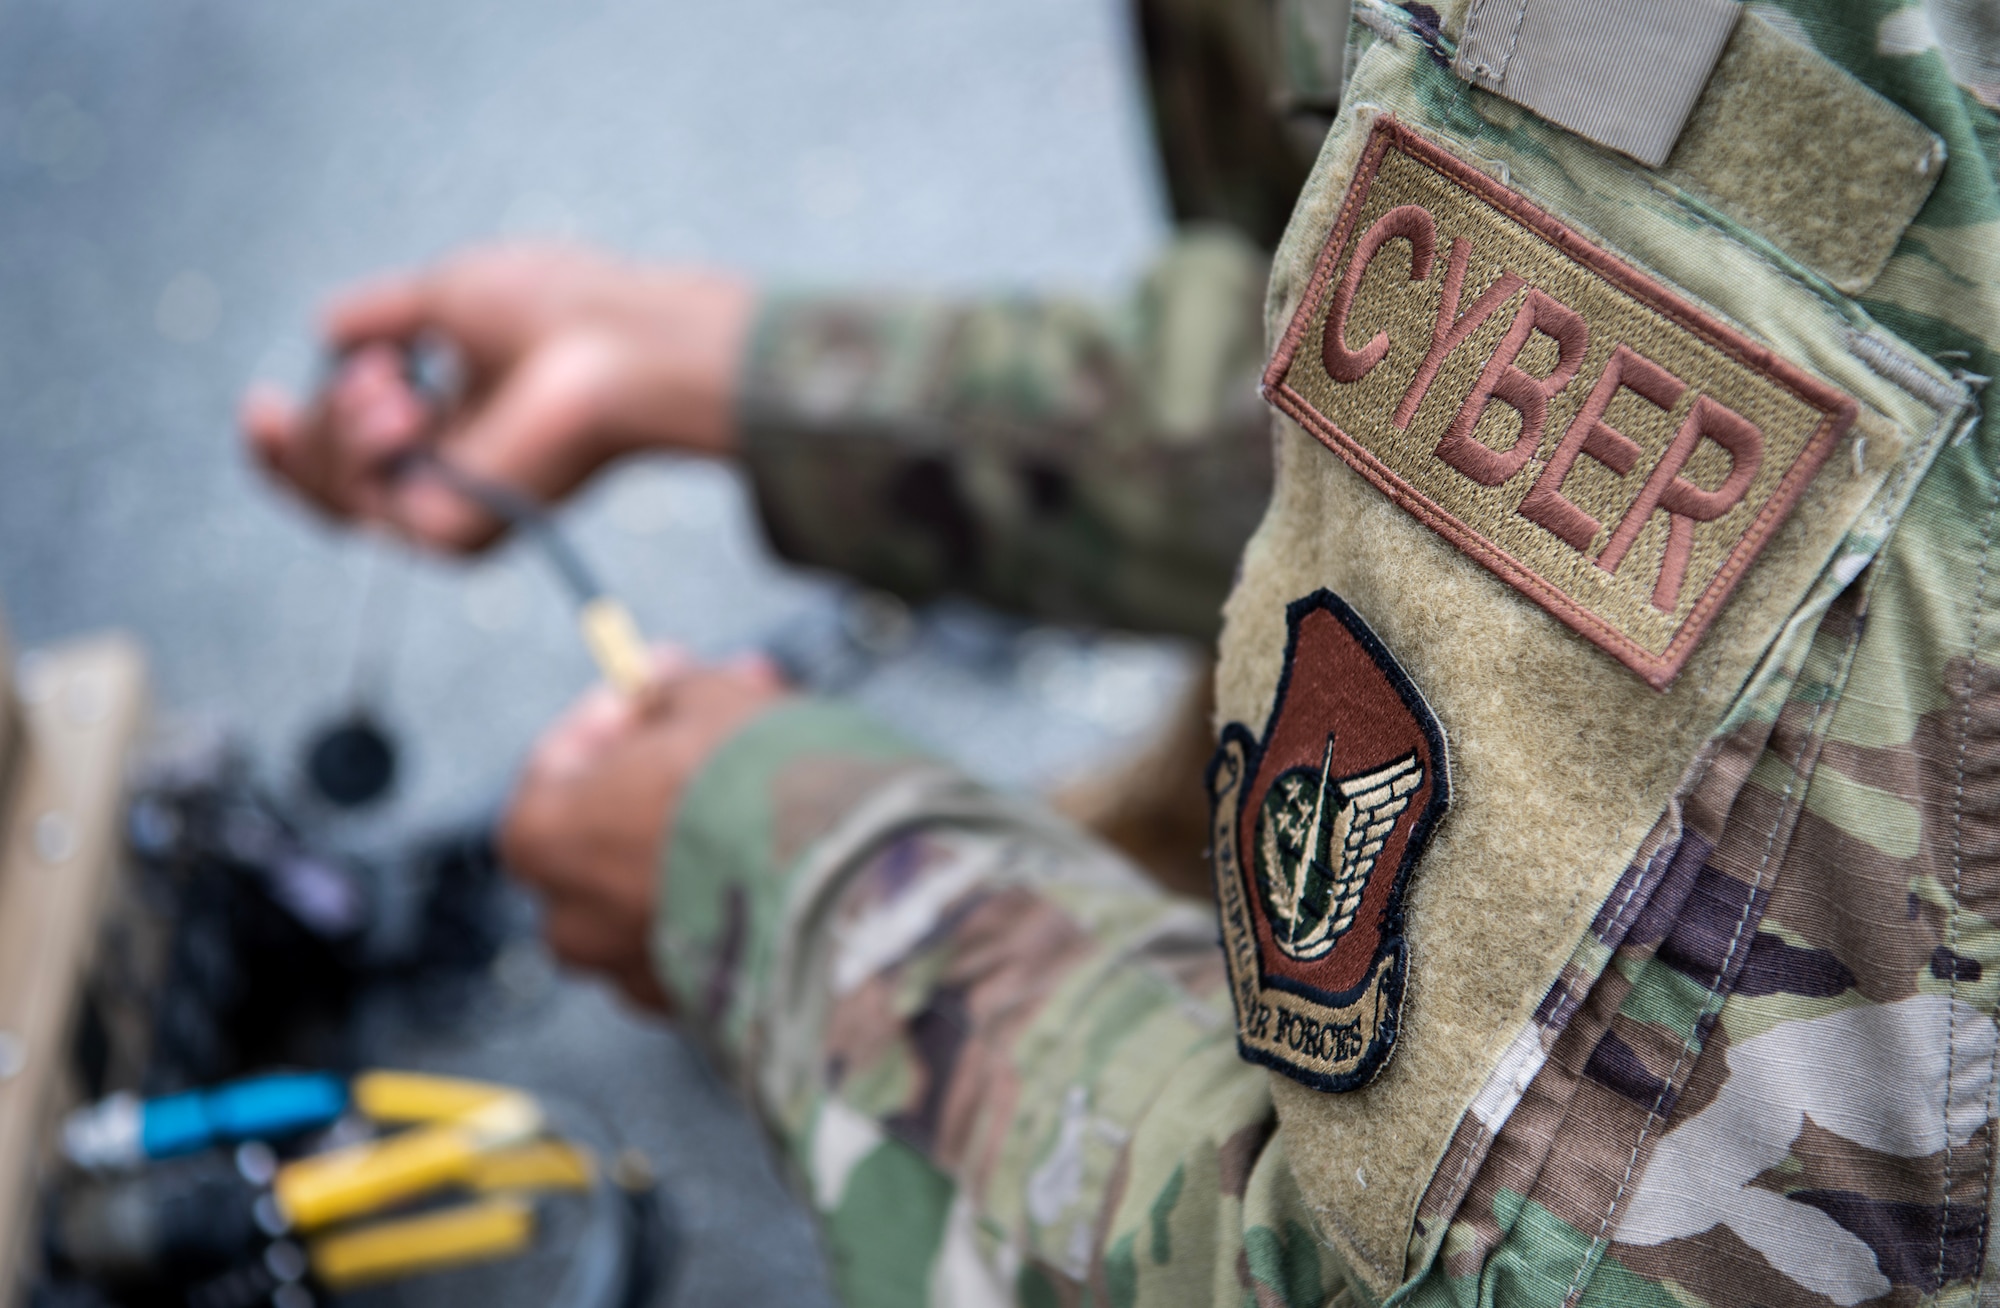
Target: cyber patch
{"type": "Point", "coordinates": [1314, 831]}
{"type": "Point", "coordinates": [1612, 452]}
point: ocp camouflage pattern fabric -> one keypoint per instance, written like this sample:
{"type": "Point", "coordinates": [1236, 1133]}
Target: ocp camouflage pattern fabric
{"type": "Point", "coordinates": [1004, 1066]}
{"type": "Point", "coordinates": [1768, 1076]}
{"type": "Point", "coordinates": [1001, 1061]}
{"type": "Point", "coordinates": [1062, 459]}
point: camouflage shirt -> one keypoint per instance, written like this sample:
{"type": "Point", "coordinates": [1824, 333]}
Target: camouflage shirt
{"type": "Point", "coordinates": [1006, 1068]}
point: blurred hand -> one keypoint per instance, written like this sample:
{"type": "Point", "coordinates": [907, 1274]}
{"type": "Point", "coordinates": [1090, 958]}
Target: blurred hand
{"type": "Point", "coordinates": [570, 360]}
{"type": "Point", "coordinates": [597, 799]}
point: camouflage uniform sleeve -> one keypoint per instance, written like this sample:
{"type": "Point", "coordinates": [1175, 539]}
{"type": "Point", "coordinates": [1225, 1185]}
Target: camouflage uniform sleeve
{"type": "Point", "coordinates": [1001, 1064]}
{"type": "Point", "coordinates": [1102, 464]}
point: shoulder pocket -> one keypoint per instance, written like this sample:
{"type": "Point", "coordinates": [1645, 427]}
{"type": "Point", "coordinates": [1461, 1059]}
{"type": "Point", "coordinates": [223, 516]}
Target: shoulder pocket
{"type": "Point", "coordinates": [1592, 464]}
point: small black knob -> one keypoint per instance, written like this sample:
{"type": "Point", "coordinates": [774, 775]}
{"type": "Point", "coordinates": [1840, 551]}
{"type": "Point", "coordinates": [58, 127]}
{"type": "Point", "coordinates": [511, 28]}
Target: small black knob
{"type": "Point", "coordinates": [352, 763]}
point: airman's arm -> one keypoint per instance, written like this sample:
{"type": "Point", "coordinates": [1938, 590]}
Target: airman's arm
{"type": "Point", "coordinates": [1002, 1063]}
{"type": "Point", "coordinates": [1072, 461]}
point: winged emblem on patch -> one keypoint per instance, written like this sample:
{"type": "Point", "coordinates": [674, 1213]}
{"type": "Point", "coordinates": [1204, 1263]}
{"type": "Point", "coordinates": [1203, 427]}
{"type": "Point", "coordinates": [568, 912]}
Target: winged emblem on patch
{"type": "Point", "coordinates": [1320, 840]}
{"type": "Point", "coordinates": [1316, 827]}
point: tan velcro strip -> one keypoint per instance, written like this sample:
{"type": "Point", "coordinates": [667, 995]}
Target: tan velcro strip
{"type": "Point", "coordinates": [1795, 148]}
{"type": "Point", "coordinates": [1609, 450]}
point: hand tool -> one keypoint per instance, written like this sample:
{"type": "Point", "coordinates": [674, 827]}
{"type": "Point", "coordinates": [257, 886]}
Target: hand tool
{"type": "Point", "coordinates": [609, 632]}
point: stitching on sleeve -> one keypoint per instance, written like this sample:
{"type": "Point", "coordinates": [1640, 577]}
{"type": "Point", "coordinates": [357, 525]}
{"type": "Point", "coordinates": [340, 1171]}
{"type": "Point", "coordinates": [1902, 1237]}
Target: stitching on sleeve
{"type": "Point", "coordinates": [1513, 42]}
{"type": "Point", "coordinates": [1957, 880]}
{"type": "Point", "coordinates": [1654, 1117]}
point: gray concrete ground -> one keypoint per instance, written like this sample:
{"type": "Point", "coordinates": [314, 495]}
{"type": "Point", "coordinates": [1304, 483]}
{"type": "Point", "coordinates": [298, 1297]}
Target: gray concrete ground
{"type": "Point", "coordinates": [181, 181]}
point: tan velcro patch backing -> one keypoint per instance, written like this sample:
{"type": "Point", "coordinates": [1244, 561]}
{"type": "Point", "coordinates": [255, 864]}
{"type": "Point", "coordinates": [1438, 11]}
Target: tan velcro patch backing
{"type": "Point", "coordinates": [1609, 450]}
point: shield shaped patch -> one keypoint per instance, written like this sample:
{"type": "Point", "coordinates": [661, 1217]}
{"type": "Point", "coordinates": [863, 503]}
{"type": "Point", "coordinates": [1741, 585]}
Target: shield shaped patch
{"type": "Point", "coordinates": [1315, 830]}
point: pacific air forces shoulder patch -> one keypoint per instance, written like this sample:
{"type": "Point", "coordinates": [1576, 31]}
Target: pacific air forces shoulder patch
{"type": "Point", "coordinates": [1314, 832]}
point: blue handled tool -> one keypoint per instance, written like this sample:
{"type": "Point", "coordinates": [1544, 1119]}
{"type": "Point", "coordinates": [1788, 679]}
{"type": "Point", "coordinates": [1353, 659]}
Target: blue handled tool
{"type": "Point", "coordinates": [124, 1131]}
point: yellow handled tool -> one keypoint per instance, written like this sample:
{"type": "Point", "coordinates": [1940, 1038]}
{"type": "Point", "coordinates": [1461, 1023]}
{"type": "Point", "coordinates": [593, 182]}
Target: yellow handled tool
{"type": "Point", "coordinates": [405, 1097]}
{"type": "Point", "coordinates": [609, 631]}
{"type": "Point", "coordinates": [327, 1188]}
{"type": "Point", "coordinates": [541, 1165]}
{"type": "Point", "coordinates": [613, 639]}
{"type": "Point", "coordinates": [450, 1237]}
{"type": "Point", "coordinates": [433, 372]}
